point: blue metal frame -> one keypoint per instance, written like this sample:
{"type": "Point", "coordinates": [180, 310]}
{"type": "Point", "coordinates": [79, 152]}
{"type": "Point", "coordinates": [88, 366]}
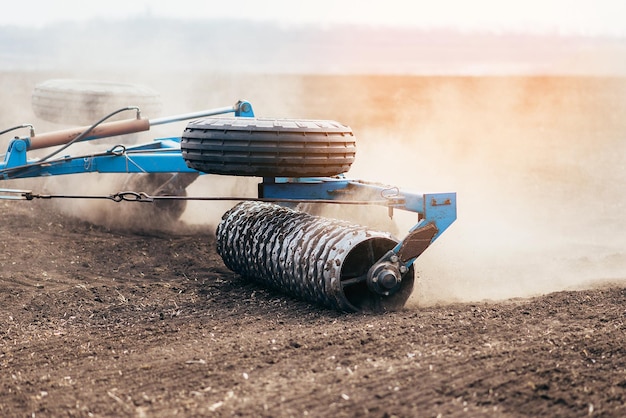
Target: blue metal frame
{"type": "Point", "coordinates": [159, 156]}
{"type": "Point", "coordinates": [436, 208]}
{"type": "Point", "coordinates": [164, 156]}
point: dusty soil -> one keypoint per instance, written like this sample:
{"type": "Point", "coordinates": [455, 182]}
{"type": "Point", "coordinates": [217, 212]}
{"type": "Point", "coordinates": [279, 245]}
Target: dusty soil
{"type": "Point", "coordinates": [110, 321]}
{"type": "Point", "coordinates": [101, 322]}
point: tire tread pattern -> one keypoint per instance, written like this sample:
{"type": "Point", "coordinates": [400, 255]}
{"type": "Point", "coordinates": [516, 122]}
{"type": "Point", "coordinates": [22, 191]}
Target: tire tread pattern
{"type": "Point", "coordinates": [268, 147]}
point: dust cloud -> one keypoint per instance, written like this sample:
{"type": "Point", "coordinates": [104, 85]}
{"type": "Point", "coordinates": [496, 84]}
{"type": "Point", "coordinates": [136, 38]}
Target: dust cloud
{"type": "Point", "coordinates": [537, 164]}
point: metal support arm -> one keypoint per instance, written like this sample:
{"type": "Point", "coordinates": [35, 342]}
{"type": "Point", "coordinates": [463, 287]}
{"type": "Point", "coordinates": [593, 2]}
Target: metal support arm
{"type": "Point", "coordinates": [159, 156]}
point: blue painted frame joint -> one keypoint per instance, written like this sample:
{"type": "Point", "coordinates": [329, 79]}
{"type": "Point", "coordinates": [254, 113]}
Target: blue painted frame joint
{"type": "Point", "coordinates": [440, 209]}
{"type": "Point", "coordinates": [243, 108]}
{"type": "Point", "coordinates": [16, 153]}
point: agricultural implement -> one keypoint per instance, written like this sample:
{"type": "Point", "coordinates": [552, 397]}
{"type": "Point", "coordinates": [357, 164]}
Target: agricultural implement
{"type": "Point", "coordinates": [267, 237]}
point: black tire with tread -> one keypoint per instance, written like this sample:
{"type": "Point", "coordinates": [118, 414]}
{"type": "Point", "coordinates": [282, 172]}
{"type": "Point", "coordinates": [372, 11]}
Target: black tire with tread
{"type": "Point", "coordinates": [260, 147]}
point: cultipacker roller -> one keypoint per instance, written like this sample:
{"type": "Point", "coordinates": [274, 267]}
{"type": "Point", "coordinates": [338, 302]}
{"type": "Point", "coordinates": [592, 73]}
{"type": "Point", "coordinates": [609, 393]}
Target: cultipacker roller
{"type": "Point", "coordinates": [268, 237]}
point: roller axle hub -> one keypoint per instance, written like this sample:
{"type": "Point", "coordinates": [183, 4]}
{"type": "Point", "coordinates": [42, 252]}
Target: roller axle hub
{"type": "Point", "coordinates": [384, 279]}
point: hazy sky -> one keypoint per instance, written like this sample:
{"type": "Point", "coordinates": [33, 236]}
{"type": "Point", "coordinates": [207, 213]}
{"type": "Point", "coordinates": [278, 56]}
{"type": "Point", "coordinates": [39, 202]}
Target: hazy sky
{"type": "Point", "coordinates": [565, 16]}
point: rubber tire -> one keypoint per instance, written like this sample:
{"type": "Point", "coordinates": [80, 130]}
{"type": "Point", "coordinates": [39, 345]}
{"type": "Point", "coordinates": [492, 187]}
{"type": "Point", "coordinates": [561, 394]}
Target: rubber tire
{"type": "Point", "coordinates": [84, 102]}
{"type": "Point", "coordinates": [258, 147]}
{"type": "Point", "coordinates": [161, 212]}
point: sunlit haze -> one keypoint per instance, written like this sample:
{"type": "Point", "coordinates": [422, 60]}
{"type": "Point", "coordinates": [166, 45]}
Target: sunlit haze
{"type": "Point", "coordinates": [587, 17]}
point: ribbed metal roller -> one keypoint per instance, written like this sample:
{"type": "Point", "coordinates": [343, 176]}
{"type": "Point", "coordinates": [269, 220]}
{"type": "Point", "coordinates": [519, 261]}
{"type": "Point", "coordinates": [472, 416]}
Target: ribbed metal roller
{"type": "Point", "coordinates": [325, 261]}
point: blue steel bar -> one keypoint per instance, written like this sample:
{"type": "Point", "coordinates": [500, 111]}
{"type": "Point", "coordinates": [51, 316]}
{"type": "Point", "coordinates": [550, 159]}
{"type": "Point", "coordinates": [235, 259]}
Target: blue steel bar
{"type": "Point", "coordinates": [436, 208]}
{"type": "Point", "coordinates": [17, 165]}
